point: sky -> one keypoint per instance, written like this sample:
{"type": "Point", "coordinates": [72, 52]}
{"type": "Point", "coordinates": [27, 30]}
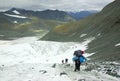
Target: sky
{"type": "Point", "coordinates": [64, 5]}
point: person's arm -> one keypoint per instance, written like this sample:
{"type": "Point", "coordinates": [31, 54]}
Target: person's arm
{"type": "Point", "coordinates": [74, 58]}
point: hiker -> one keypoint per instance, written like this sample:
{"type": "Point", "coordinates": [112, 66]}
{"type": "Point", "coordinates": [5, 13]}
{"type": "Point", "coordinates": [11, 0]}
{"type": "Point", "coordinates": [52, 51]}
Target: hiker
{"type": "Point", "coordinates": [78, 59]}
{"type": "Point", "coordinates": [66, 60]}
{"type": "Point", "coordinates": [62, 61]}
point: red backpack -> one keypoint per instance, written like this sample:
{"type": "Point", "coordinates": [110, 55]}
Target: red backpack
{"type": "Point", "coordinates": [82, 52]}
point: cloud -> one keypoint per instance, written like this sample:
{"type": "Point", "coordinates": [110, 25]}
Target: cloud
{"type": "Point", "coordinates": [65, 5]}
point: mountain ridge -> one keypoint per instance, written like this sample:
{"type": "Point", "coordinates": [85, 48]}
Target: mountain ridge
{"type": "Point", "coordinates": [46, 14]}
{"type": "Point", "coordinates": [103, 26]}
{"type": "Point", "coordinates": [19, 25]}
{"type": "Point", "coordinates": [82, 14]}
{"type": "Point", "coordinates": [18, 20]}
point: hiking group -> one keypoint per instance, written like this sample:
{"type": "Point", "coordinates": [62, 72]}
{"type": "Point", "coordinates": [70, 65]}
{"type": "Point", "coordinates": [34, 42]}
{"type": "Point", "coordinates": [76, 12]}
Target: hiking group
{"type": "Point", "coordinates": [78, 58]}
{"type": "Point", "coordinates": [66, 61]}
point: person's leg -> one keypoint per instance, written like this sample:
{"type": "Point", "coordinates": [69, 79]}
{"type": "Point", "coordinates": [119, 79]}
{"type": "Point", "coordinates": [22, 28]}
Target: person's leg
{"type": "Point", "coordinates": [75, 65]}
{"type": "Point", "coordinates": [79, 66]}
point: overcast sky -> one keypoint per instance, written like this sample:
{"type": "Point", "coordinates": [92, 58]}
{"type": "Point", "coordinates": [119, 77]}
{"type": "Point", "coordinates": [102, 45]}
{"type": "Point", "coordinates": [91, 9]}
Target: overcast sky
{"type": "Point", "coordinates": [65, 5]}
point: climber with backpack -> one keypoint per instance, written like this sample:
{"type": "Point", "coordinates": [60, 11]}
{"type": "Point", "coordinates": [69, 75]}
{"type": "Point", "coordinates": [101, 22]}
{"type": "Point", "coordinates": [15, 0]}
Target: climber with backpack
{"type": "Point", "coordinates": [78, 59]}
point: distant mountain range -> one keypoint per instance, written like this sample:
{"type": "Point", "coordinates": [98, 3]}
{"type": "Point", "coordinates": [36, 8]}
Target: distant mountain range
{"type": "Point", "coordinates": [18, 22]}
{"type": "Point", "coordinates": [50, 14]}
{"type": "Point", "coordinates": [82, 14]}
{"type": "Point", "coordinates": [46, 14]}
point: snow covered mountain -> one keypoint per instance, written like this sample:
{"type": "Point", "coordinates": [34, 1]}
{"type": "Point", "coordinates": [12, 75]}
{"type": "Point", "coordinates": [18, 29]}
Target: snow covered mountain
{"type": "Point", "coordinates": [46, 14]}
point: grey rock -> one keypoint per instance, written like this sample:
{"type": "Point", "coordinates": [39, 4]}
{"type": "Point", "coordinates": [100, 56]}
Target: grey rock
{"type": "Point", "coordinates": [43, 71]}
{"type": "Point", "coordinates": [54, 65]}
{"type": "Point", "coordinates": [63, 73]}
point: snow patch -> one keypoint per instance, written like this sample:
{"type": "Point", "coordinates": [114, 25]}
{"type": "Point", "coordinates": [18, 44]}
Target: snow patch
{"type": "Point", "coordinates": [117, 44]}
{"type": "Point", "coordinates": [16, 16]}
{"type": "Point", "coordinates": [15, 22]}
{"type": "Point", "coordinates": [83, 35]}
{"type": "Point", "coordinates": [16, 12]}
{"type": "Point", "coordinates": [99, 34]}
{"type": "Point", "coordinates": [88, 55]}
{"type": "Point", "coordinates": [87, 41]}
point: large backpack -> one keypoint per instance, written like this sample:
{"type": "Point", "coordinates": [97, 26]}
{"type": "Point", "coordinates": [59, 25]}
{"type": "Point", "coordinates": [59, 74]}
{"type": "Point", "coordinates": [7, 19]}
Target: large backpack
{"type": "Point", "coordinates": [78, 53]}
{"type": "Point", "coordinates": [82, 59]}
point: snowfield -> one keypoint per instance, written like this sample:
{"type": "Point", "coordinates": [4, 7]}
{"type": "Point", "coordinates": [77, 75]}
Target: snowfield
{"type": "Point", "coordinates": [27, 50]}
{"type": "Point", "coordinates": [27, 59]}
{"type": "Point", "coordinates": [16, 12]}
{"type": "Point", "coordinates": [16, 16]}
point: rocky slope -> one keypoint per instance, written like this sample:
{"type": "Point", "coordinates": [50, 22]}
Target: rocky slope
{"type": "Point", "coordinates": [103, 27]}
